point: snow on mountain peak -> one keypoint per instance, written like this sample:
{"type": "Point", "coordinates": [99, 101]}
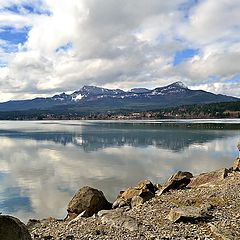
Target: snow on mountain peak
{"type": "Point", "coordinates": [140, 90]}
{"type": "Point", "coordinates": [78, 97]}
{"type": "Point", "coordinates": [180, 84]}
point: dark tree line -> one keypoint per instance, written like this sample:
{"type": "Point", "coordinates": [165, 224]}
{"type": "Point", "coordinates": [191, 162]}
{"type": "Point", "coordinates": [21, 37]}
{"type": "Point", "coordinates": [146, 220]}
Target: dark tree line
{"type": "Point", "coordinates": [213, 110]}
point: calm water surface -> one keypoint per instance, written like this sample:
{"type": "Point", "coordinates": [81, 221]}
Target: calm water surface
{"type": "Point", "coordinates": [43, 163]}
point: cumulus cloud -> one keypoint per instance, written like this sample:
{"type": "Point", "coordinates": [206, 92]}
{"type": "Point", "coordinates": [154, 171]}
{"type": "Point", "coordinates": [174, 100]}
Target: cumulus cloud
{"type": "Point", "coordinates": [211, 21]}
{"type": "Point", "coordinates": [118, 44]}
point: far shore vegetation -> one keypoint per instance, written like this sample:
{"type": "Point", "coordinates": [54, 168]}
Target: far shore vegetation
{"type": "Point", "coordinates": [196, 111]}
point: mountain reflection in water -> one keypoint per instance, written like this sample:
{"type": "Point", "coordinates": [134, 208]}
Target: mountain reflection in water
{"type": "Point", "coordinates": [42, 164]}
{"type": "Point", "coordinates": [100, 136]}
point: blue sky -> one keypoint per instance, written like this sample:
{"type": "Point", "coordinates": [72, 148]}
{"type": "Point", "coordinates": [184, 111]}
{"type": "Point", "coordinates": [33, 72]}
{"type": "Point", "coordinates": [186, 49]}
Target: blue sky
{"type": "Point", "coordinates": [13, 36]}
{"type": "Point", "coordinates": [50, 46]}
{"type": "Point", "coordinates": [184, 54]}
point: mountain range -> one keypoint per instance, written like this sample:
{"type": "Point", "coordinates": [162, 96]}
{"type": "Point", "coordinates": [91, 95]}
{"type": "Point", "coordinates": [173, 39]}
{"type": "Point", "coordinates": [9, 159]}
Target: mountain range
{"type": "Point", "coordinates": [96, 98]}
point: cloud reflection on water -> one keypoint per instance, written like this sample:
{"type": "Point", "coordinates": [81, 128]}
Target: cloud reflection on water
{"type": "Point", "coordinates": [40, 171]}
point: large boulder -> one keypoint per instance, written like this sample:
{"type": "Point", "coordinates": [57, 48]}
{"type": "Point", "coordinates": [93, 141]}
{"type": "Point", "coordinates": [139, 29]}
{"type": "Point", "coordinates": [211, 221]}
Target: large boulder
{"type": "Point", "coordinates": [12, 228]}
{"type": "Point", "coordinates": [89, 201]}
{"type": "Point", "coordinates": [208, 179]}
{"type": "Point", "coordinates": [134, 196]}
{"type": "Point", "coordinates": [129, 194]}
{"type": "Point", "coordinates": [143, 196]}
{"type": "Point", "coordinates": [178, 180]}
{"type": "Point", "coordinates": [146, 185]}
{"type": "Point", "coordinates": [236, 165]}
{"type": "Point", "coordinates": [187, 214]}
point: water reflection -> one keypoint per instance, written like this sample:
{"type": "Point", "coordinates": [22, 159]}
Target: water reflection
{"type": "Point", "coordinates": [42, 165]}
{"type": "Point", "coordinates": [93, 137]}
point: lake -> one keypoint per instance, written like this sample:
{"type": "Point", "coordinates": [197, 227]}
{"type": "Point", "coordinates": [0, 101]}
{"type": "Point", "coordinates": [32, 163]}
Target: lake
{"type": "Point", "coordinates": [42, 164]}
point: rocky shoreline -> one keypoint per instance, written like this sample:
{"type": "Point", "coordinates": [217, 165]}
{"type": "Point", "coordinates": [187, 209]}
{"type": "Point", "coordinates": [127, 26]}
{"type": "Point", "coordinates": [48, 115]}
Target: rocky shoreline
{"type": "Point", "coordinates": [185, 207]}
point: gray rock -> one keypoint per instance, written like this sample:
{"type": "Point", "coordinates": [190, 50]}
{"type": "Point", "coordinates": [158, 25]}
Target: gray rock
{"type": "Point", "coordinates": [89, 200]}
{"type": "Point", "coordinates": [119, 203]}
{"type": "Point", "coordinates": [119, 219]}
{"type": "Point", "coordinates": [105, 212]}
{"type": "Point", "coordinates": [187, 214]}
{"type": "Point", "coordinates": [208, 179]}
{"type": "Point", "coordinates": [177, 181]}
{"type": "Point", "coordinates": [12, 228]}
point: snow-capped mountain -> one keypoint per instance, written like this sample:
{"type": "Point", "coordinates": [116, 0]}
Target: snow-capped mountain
{"type": "Point", "coordinates": [91, 97]}
{"type": "Point", "coordinates": [89, 91]}
{"type": "Point", "coordinates": [93, 92]}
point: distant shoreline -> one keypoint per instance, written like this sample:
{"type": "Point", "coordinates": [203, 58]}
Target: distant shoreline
{"type": "Point", "coordinates": [221, 110]}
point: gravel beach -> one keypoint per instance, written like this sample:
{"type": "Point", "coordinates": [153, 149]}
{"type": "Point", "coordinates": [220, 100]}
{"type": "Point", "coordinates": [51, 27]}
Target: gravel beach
{"type": "Point", "coordinates": [220, 200]}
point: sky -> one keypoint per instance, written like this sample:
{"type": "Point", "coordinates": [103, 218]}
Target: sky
{"type": "Point", "coordinates": [54, 46]}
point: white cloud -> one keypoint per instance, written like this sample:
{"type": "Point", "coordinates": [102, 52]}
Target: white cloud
{"type": "Point", "coordinates": [14, 20]}
{"type": "Point", "coordinates": [213, 27]}
{"type": "Point", "coordinates": [119, 44]}
{"type": "Point", "coordinates": [229, 88]}
{"type": "Point", "coordinates": [211, 21]}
